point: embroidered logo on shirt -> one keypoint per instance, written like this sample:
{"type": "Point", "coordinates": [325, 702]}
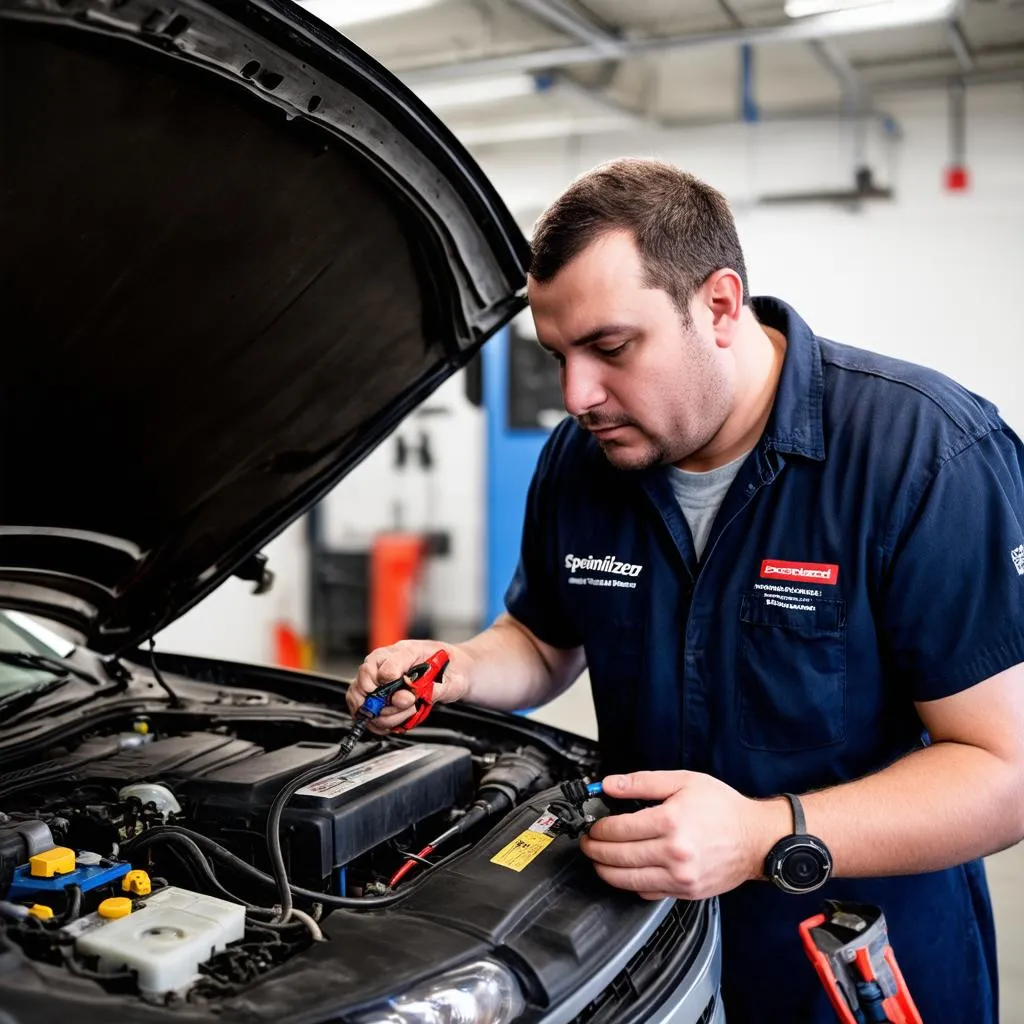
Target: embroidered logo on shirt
{"type": "Point", "coordinates": [597, 571]}
{"type": "Point", "coordinates": [608, 564]}
{"type": "Point", "coordinates": [811, 572]}
{"type": "Point", "coordinates": [1017, 554]}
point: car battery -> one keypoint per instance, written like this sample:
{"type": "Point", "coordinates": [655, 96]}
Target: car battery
{"type": "Point", "coordinates": [333, 820]}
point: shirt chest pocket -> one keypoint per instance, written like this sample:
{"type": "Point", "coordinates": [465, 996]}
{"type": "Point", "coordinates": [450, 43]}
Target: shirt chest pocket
{"type": "Point", "coordinates": [791, 673]}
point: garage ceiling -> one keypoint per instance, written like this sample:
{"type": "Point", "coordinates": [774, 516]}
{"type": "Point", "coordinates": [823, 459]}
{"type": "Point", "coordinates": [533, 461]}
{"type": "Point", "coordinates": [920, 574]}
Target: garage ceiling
{"type": "Point", "coordinates": [502, 70]}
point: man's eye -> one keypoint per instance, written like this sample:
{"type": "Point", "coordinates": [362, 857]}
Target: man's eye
{"type": "Point", "coordinates": [611, 353]}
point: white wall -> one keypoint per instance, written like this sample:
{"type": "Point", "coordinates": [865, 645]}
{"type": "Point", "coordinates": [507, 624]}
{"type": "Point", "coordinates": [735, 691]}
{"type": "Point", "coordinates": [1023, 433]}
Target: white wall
{"type": "Point", "coordinates": [449, 497]}
{"type": "Point", "coordinates": [931, 276]}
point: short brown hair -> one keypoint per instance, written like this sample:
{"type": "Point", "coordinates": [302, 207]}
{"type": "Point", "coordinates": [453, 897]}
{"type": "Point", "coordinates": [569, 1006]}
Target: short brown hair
{"type": "Point", "coordinates": [683, 227]}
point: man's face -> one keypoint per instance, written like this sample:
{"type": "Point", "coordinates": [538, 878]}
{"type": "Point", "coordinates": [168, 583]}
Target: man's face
{"type": "Point", "coordinates": [651, 388]}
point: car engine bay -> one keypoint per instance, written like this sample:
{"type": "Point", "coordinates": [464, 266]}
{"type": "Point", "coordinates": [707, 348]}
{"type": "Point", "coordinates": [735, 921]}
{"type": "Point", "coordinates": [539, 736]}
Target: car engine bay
{"type": "Point", "coordinates": [135, 856]}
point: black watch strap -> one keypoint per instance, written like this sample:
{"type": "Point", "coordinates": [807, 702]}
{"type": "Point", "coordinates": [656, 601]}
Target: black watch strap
{"type": "Point", "coordinates": [799, 821]}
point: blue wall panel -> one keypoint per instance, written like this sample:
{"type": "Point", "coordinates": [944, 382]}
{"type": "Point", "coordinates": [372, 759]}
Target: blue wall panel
{"type": "Point", "coordinates": [511, 457]}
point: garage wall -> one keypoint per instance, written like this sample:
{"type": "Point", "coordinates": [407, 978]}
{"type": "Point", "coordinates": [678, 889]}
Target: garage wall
{"type": "Point", "coordinates": [931, 277]}
{"type": "Point", "coordinates": [447, 497]}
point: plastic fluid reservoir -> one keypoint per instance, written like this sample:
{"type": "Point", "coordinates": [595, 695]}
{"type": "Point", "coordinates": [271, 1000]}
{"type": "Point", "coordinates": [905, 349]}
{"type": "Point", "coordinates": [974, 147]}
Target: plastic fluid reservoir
{"type": "Point", "coordinates": [164, 939]}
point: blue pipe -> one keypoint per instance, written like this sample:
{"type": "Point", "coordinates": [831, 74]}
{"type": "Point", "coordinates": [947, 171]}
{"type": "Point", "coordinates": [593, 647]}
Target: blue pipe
{"type": "Point", "coordinates": [750, 112]}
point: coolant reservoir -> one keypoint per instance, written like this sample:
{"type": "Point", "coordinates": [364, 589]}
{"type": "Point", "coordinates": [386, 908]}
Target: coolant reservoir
{"type": "Point", "coordinates": [164, 939]}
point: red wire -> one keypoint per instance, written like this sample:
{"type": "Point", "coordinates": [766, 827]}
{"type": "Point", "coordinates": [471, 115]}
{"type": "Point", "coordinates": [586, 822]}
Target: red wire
{"type": "Point", "coordinates": [408, 866]}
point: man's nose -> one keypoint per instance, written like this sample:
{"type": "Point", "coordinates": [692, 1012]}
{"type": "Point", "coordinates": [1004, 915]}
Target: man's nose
{"type": "Point", "coordinates": [582, 389]}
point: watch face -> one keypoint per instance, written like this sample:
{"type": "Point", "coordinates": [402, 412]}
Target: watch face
{"type": "Point", "coordinates": [803, 863]}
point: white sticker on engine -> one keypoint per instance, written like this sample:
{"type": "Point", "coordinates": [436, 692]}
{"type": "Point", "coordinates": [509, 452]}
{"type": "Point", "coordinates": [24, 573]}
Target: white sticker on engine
{"type": "Point", "coordinates": [349, 778]}
{"type": "Point", "coordinates": [544, 824]}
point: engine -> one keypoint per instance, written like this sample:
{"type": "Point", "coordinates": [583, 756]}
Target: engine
{"type": "Point", "coordinates": [141, 859]}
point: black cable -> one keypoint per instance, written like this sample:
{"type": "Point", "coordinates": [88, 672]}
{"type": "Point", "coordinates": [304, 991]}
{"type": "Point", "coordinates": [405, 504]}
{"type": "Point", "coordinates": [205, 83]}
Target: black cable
{"type": "Point", "coordinates": [176, 701]}
{"type": "Point", "coordinates": [226, 857]}
{"type": "Point", "coordinates": [73, 894]}
{"type": "Point", "coordinates": [318, 771]}
{"type": "Point", "coordinates": [198, 860]}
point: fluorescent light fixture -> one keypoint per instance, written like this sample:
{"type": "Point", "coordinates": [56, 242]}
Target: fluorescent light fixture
{"type": "Point", "coordinates": [476, 91]}
{"type": "Point", "coordinates": [897, 9]}
{"type": "Point", "coordinates": [342, 13]}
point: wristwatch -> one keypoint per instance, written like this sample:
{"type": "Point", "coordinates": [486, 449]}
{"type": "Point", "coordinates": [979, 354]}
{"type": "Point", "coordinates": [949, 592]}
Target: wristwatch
{"type": "Point", "coordinates": [799, 862]}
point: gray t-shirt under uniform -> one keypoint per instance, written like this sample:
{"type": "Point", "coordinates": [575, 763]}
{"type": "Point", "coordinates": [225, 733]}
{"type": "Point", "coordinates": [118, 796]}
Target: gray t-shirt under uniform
{"type": "Point", "coordinates": [700, 495]}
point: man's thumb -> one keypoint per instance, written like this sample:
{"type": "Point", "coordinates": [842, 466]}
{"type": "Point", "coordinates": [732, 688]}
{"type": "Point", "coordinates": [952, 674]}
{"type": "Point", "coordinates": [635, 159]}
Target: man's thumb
{"type": "Point", "coordinates": [644, 785]}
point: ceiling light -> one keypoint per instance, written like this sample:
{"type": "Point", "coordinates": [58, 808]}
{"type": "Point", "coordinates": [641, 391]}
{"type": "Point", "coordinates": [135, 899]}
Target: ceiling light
{"type": "Point", "coordinates": [472, 92]}
{"type": "Point", "coordinates": [342, 13]}
{"type": "Point", "coordinates": [808, 8]}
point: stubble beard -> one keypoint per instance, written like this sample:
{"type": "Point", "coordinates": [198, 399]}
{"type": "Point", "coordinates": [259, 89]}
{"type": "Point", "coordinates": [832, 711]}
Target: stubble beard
{"type": "Point", "coordinates": [659, 451]}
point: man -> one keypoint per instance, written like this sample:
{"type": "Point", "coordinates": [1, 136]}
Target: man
{"type": "Point", "coordinates": [791, 567]}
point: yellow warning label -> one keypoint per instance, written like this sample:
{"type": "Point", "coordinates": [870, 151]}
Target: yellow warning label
{"type": "Point", "coordinates": [522, 850]}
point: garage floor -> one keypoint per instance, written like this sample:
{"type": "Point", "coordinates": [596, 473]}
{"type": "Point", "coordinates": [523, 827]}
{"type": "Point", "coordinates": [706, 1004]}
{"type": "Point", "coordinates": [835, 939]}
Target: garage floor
{"type": "Point", "coordinates": [574, 711]}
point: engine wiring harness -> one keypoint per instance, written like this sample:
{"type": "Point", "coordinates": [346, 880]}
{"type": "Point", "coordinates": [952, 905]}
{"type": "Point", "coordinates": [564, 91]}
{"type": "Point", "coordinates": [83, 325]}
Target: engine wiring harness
{"type": "Point", "coordinates": [49, 905]}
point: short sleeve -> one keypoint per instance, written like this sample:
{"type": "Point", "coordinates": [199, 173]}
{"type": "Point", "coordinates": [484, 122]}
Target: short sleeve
{"type": "Point", "coordinates": [533, 596]}
{"type": "Point", "coordinates": [952, 613]}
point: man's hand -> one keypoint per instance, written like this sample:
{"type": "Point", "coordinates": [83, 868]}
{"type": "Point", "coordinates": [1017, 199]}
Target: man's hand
{"type": "Point", "coordinates": [702, 840]}
{"type": "Point", "coordinates": [387, 663]}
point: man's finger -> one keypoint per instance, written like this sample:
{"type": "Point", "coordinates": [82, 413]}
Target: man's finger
{"type": "Point", "coordinates": [626, 828]}
{"type": "Point", "coordinates": [645, 785]}
{"type": "Point", "coordinates": [635, 879]}
{"type": "Point", "coordinates": [645, 854]}
{"type": "Point", "coordinates": [402, 699]}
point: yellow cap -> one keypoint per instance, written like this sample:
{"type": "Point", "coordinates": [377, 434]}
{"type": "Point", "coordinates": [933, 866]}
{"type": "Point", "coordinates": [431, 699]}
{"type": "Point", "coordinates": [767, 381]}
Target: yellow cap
{"type": "Point", "coordinates": [58, 861]}
{"type": "Point", "coordinates": [116, 906]}
{"type": "Point", "coordinates": [136, 882]}
{"type": "Point", "coordinates": [41, 910]}
{"type": "Point", "coordinates": [142, 728]}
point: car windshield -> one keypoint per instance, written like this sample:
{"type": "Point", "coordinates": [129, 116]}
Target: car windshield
{"type": "Point", "coordinates": [23, 635]}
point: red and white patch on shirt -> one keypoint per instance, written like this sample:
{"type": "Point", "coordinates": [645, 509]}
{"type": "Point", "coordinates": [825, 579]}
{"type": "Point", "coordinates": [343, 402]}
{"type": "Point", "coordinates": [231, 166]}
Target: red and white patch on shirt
{"type": "Point", "coordinates": [800, 572]}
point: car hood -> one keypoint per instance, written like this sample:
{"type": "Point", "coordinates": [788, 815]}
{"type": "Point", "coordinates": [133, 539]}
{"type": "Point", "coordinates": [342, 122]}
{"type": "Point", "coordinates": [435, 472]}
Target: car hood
{"type": "Point", "coordinates": [237, 252]}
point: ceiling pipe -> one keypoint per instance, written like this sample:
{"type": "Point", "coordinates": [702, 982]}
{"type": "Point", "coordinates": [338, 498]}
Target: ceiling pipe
{"type": "Point", "coordinates": [997, 76]}
{"type": "Point", "coordinates": [566, 127]}
{"type": "Point", "coordinates": [821, 26]}
{"type": "Point", "coordinates": [606, 44]}
{"type": "Point", "coordinates": [574, 23]}
{"type": "Point", "coordinates": [998, 52]}
{"type": "Point", "coordinates": [854, 96]}
{"type": "Point", "coordinates": [959, 45]}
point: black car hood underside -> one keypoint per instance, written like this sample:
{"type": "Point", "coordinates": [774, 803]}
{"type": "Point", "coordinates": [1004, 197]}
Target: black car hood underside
{"type": "Point", "coordinates": [236, 253]}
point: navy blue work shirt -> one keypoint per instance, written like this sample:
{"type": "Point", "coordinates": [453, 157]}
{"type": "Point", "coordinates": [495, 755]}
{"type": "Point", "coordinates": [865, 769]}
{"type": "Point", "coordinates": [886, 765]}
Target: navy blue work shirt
{"type": "Point", "coordinates": [869, 554]}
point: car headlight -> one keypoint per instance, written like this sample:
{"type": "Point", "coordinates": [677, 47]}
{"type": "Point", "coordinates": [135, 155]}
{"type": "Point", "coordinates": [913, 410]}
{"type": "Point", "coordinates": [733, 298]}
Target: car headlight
{"type": "Point", "coordinates": [483, 992]}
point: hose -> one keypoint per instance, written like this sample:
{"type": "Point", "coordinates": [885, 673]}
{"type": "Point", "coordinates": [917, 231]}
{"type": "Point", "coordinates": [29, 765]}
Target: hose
{"type": "Point", "coordinates": [318, 771]}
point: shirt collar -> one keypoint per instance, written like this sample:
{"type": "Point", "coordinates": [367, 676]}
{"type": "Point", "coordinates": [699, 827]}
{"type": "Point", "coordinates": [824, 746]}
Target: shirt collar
{"type": "Point", "coordinates": [795, 424]}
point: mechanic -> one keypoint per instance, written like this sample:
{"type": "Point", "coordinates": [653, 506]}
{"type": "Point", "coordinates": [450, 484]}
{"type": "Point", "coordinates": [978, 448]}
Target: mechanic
{"type": "Point", "coordinates": [791, 567]}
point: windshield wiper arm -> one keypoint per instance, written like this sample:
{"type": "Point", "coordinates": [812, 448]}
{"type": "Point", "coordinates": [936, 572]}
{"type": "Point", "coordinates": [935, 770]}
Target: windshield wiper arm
{"type": "Point", "coordinates": [58, 666]}
{"type": "Point", "coordinates": [28, 695]}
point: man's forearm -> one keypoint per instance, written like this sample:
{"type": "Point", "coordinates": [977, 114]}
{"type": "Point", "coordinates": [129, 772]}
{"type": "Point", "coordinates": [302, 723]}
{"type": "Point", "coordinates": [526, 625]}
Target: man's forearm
{"type": "Point", "coordinates": [934, 808]}
{"type": "Point", "coordinates": [508, 669]}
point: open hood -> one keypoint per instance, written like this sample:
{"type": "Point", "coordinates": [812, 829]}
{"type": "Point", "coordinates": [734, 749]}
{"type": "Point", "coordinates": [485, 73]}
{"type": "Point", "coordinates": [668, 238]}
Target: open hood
{"type": "Point", "coordinates": [237, 252]}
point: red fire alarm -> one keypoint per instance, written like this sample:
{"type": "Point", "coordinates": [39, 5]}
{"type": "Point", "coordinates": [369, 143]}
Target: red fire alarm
{"type": "Point", "coordinates": [957, 178]}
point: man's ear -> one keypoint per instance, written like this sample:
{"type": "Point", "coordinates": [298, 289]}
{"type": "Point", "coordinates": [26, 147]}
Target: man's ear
{"type": "Point", "coordinates": [723, 293]}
